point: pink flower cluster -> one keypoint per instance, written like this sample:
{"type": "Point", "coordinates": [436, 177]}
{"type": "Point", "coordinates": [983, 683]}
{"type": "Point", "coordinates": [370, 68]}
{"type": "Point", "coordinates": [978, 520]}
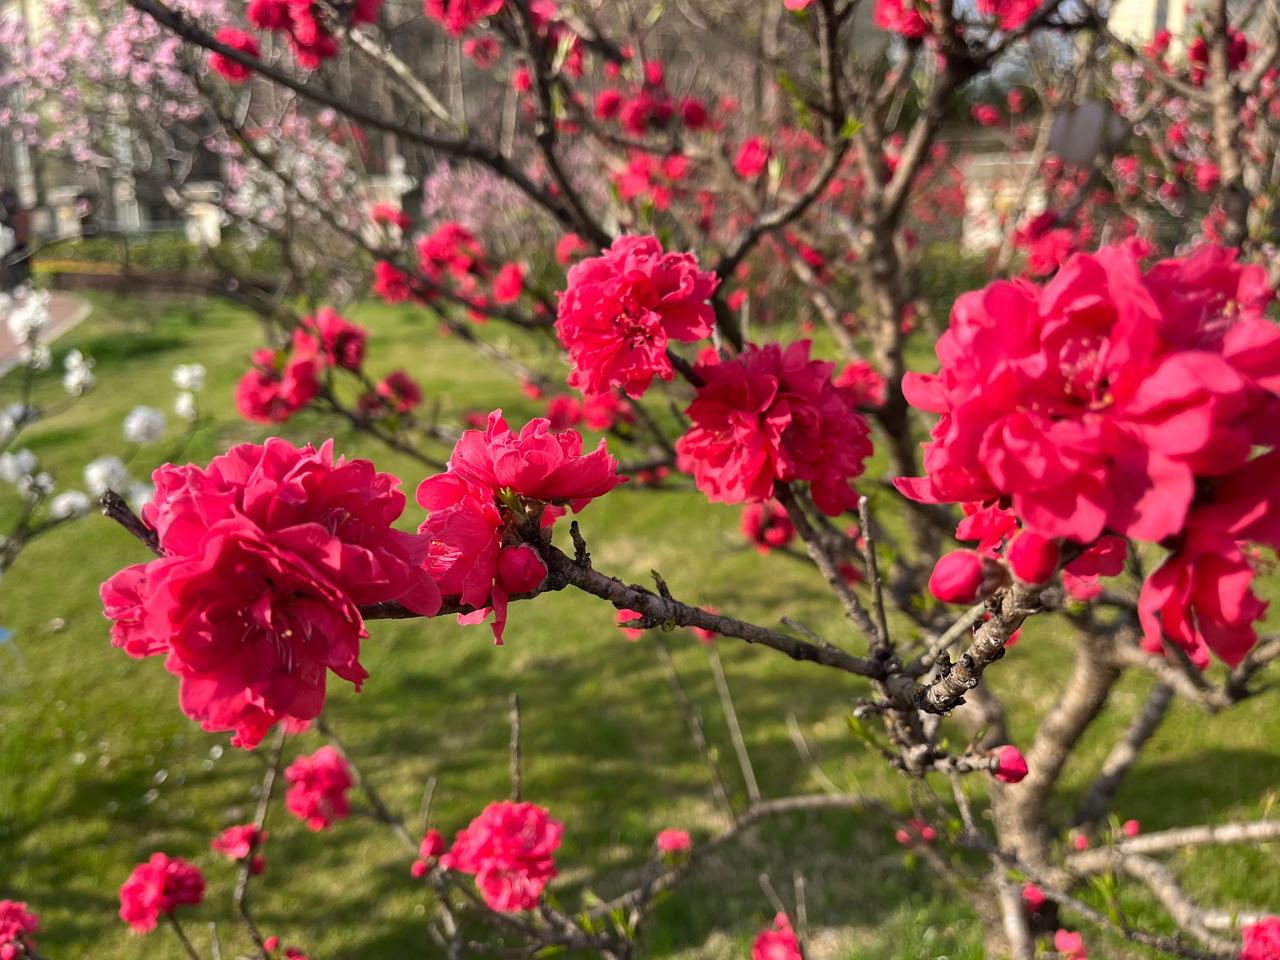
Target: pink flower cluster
{"type": "Point", "coordinates": [479, 505]}
{"type": "Point", "coordinates": [1262, 940]}
{"type": "Point", "coordinates": [916, 831]}
{"type": "Point", "coordinates": [268, 554]}
{"type": "Point", "coordinates": [674, 841]}
{"type": "Point", "coordinates": [157, 888]}
{"type": "Point", "coordinates": [1009, 14]}
{"type": "Point", "coordinates": [451, 257]}
{"type": "Point", "coordinates": [458, 16]}
{"type": "Point", "coordinates": [777, 943]}
{"type": "Point", "coordinates": [620, 311]}
{"type": "Point", "coordinates": [341, 341]}
{"type": "Point", "coordinates": [1070, 945]}
{"type": "Point", "coordinates": [773, 414]}
{"type": "Point", "coordinates": [242, 842]}
{"type": "Point", "coordinates": [508, 848]}
{"type": "Point", "coordinates": [910, 18]}
{"type": "Point", "coordinates": [17, 924]}
{"type": "Point", "coordinates": [649, 105]}
{"type": "Point", "coordinates": [233, 70]}
{"type": "Point", "coordinates": [318, 786]}
{"type": "Point", "coordinates": [767, 525]}
{"type": "Point", "coordinates": [1118, 402]}
{"type": "Point", "coordinates": [278, 385]}
{"type": "Point", "coordinates": [429, 850]}
{"type": "Point", "coordinates": [306, 26]}
{"type": "Point", "coordinates": [902, 17]}
{"type": "Point", "coordinates": [1198, 55]}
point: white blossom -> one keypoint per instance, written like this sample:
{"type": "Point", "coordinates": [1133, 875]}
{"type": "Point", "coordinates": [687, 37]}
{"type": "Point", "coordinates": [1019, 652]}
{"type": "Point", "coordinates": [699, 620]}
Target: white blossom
{"type": "Point", "coordinates": [144, 425]}
{"type": "Point", "coordinates": [36, 486]}
{"type": "Point", "coordinates": [72, 503]}
{"type": "Point", "coordinates": [185, 405]}
{"type": "Point", "coordinates": [140, 494]}
{"type": "Point", "coordinates": [106, 473]}
{"type": "Point", "coordinates": [189, 376]}
{"type": "Point", "coordinates": [79, 376]}
{"type": "Point", "coordinates": [17, 464]}
{"type": "Point", "coordinates": [8, 240]}
{"type": "Point", "coordinates": [38, 356]}
{"type": "Point", "coordinates": [28, 315]}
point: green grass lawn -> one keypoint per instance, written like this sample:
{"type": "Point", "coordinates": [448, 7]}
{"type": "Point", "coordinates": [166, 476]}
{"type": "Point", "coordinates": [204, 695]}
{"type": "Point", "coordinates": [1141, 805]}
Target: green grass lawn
{"type": "Point", "coordinates": [98, 767]}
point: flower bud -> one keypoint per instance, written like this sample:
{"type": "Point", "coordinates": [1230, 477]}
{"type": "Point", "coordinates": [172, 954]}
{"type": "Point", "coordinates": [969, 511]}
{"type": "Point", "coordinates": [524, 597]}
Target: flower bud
{"type": "Point", "coordinates": [432, 845]}
{"type": "Point", "coordinates": [520, 569]}
{"type": "Point", "coordinates": [964, 575]}
{"type": "Point", "coordinates": [1010, 764]}
{"type": "Point", "coordinates": [1033, 558]}
{"type": "Point", "coordinates": [674, 841]}
{"type": "Point", "coordinates": [1131, 828]}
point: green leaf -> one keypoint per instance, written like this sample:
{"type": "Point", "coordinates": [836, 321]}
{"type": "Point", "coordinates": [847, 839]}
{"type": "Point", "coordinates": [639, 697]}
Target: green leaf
{"type": "Point", "coordinates": [851, 126]}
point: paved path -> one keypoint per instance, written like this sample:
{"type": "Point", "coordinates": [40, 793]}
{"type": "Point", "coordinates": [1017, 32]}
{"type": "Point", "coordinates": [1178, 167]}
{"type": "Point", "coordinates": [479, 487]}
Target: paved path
{"type": "Point", "coordinates": [65, 312]}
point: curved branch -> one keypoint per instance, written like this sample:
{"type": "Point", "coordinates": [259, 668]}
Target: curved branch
{"type": "Point", "coordinates": [1179, 838]}
{"type": "Point", "coordinates": [1125, 754]}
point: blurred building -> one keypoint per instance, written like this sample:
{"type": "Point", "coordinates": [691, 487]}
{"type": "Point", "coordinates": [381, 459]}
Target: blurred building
{"type": "Point", "coordinates": [1139, 20]}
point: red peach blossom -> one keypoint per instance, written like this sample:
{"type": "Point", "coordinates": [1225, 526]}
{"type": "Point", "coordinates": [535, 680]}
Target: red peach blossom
{"type": "Point", "coordinates": [752, 158]}
{"type": "Point", "coordinates": [399, 391]}
{"type": "Point", "coordinates": [777, 943]}
{"type": "Point", "coordinates": [901, 17]}
{"type": "Point", "coordinates": [1010, 764]}
{"type": "Point", "coordinates": [620, 311]}
{"type": "Point", "coordinates": [674, 841]}
{"type": "Point", "coordinates": [17, 924]}
{"type": "Point", "coordinates": [233, 70]}
{"type": "Point", "coordinates": [457, 16]}
{"type": "Point", "coordinates": [1032, 558]}
{"type": "Point", "coordinates": [389, 214]}
{"type": "Point", "coordinates": [772, 414]}
{"type": "Point", "coordinates": [508, 284]}
{"type": "Point", "coordinates": [568, 247]}
{"type": "Point", "coordinates": [626, 616]}
{"type": "Point", "coordinates": [239, 842]}
{"type": "Point", "coordinates": [390, 283]}
{"type": "Point", "coordinates": [508, 848]}
{"type": "Point", "coordinates": [1070, 945]}
{"type": "Point", "coordinates": [962, 576]}
{"type": "Point", "coordinates": [343, 341]}
{"type": "Point", "coordinates": [535, 463]}
{"type": "Point", "coordinates": [767, 525]}
{"type": "Point", "coordinates": [267, 394]}
{"type": "Point", "coordinates": [157, 888]}
{"type": "Point", "coordinates": [1261, 940]}
{"type": "Point", "coordinates": [318, 786]}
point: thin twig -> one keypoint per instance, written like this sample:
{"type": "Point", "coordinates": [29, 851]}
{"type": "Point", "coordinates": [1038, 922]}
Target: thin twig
{"type": "Point", "coordinates": [881, 646]}
{"type": "Point", "coordinates": [241, 895]}
{"type": "Point", "coordinates": [515, 747]}
{"type": "Point", "coordinates": [731, 718]}
{"type": "Point", "coordinates": [693, 719]}
{"type": "Point", "coordinates": [187, 946]}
